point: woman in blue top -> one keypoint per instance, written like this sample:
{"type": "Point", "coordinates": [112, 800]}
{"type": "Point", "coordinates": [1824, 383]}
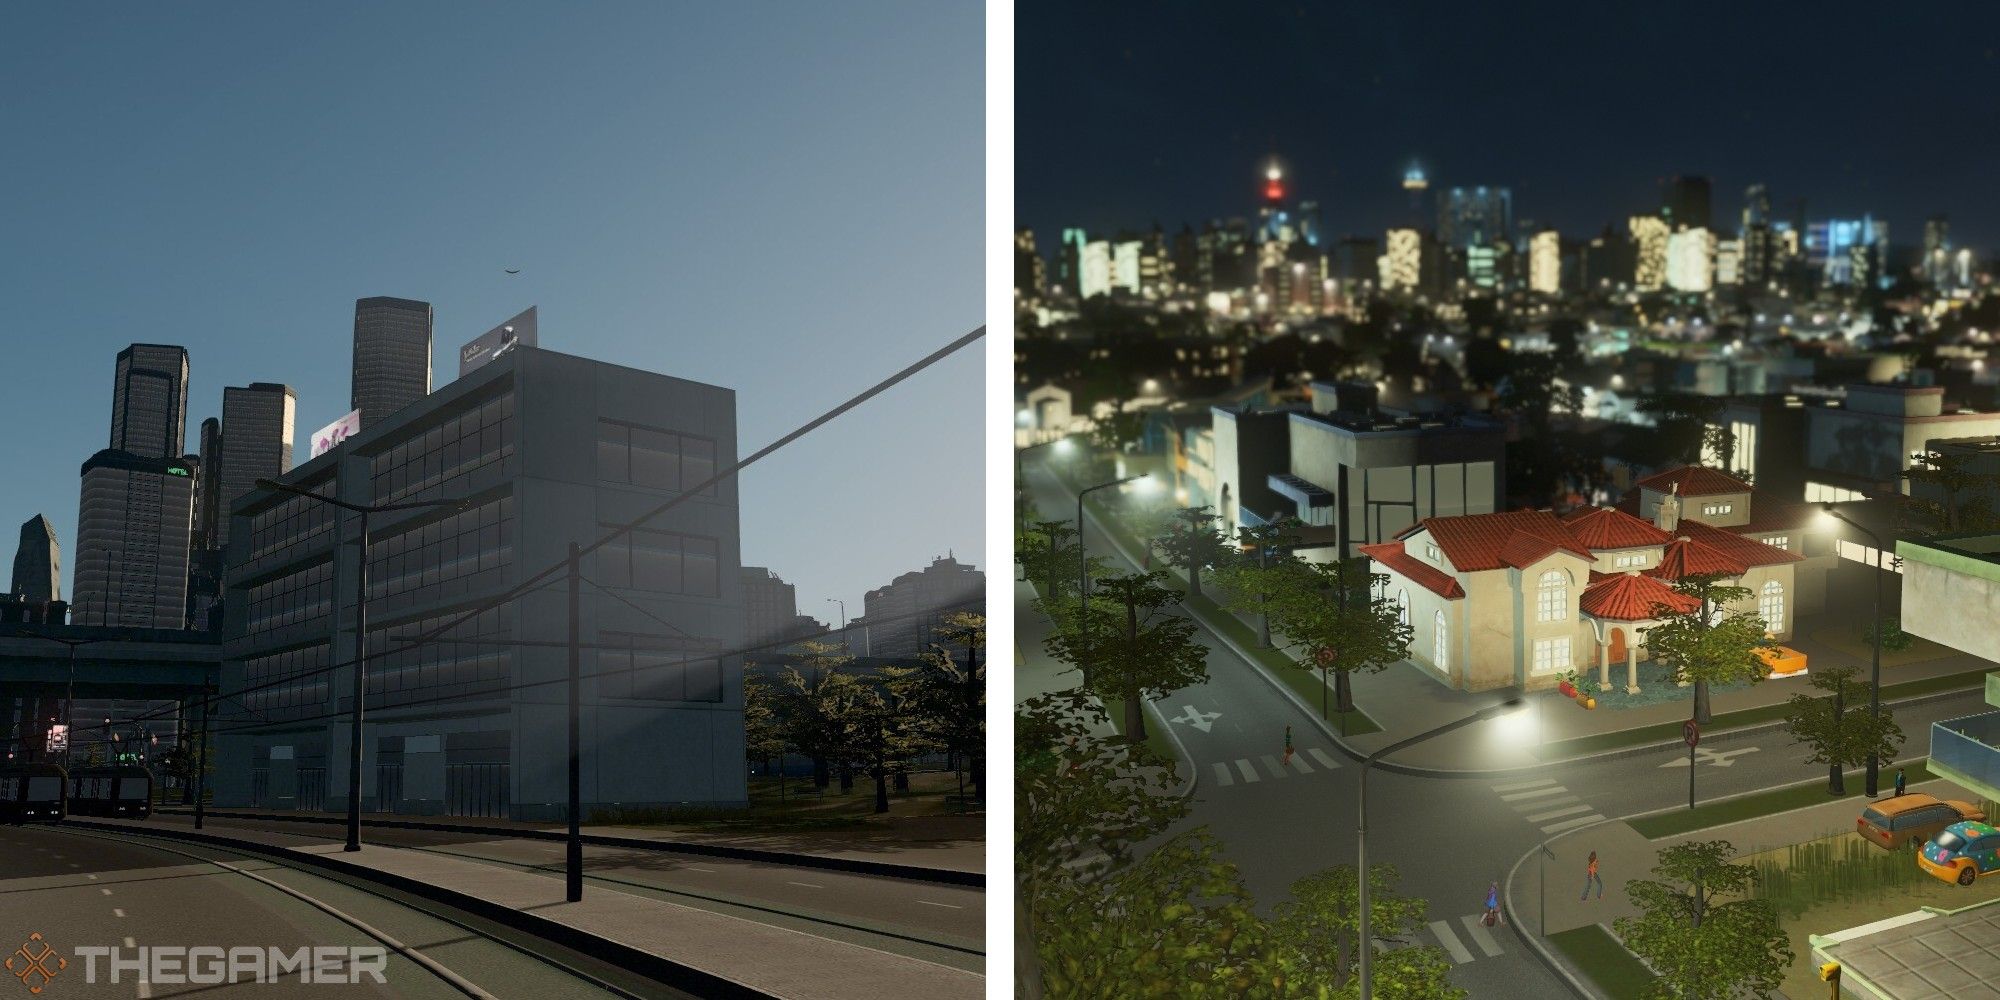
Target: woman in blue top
{"type": "Point", "coordinates": [1493, 905]}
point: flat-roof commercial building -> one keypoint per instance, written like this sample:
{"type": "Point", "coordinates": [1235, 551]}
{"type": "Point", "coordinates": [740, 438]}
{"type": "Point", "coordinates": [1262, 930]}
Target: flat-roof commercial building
{"type": "Point", "coordinates": [135, 522]}
{"type": "Point", "coordinates": [549, 449]}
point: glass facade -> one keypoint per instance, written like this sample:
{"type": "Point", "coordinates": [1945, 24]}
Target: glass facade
{"type": "Point", "coordinates": [293, 521]}
{"type": "Point", "coordinates": [660, 562]}
{"type": "Point", "coordinates": [451, 557]}
{"type": "Point", "coordinates": [653, 459]}
{"type": "Point", "coordinates": [392, 356]}
{"type": "Point", "coordinates": [293, 599]}
{"type": "Point", "coordinates": [660, 668]}
{"type": "Point", "coordinates": [149, 401]}
{"type": "Point", "coordinates": [451, 665]}
{"type": "Point", "coordinates": [436, 461]}
{"type": "Point", "coordinates": [298, 681]}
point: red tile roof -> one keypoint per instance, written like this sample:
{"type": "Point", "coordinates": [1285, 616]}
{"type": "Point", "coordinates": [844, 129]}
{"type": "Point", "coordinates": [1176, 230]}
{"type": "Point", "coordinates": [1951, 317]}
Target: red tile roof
{"type": "Point", "coordinates": [1686, 557]}
{"type": "Point", "coordinates": [1423, 574]}
{"type": "Point", "coordinates": [1631, 597]}
{"type": "Point", "coordinates": [1610, 528]}
{"type": "Point", "coordinates": [1489, 541]}
{"type": "Point", "coordinates": [1694, 481]}
{"type": "Point", "coordinates": [1748, 551]}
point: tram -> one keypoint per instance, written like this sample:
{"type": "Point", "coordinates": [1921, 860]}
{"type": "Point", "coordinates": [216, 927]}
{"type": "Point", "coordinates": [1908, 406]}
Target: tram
{"type": "Point", "coordinates": [32, 793]}
{"type": "Point", "coordinates": [111, 790]}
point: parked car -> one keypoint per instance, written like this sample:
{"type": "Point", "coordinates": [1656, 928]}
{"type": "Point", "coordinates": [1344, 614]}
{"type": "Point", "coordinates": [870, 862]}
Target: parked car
{"type": "Point", "coordinates": [1911, 819]}
{"type": "Point", "coordinates": [1962, 853]}
{"type": "Point", "coordinates": [1782, 661]}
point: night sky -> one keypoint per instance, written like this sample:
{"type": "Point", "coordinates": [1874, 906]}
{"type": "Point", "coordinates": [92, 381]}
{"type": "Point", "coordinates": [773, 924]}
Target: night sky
{"type": "Point", "coordinates": [1127, 114]}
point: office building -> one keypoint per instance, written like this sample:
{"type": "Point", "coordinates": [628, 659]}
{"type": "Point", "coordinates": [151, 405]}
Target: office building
{"type": "Point", "coordinates": [1936, 262]}
{"type": "Point", "coordinates": [771, 610]}
{"type": "Point", "coordinates": [208, 507]}
{"type": "Point", "coordinates": [1609, 260]}
{"type": "Point", "coordinates": [1729, 262]}
{"type": "Point", "coordinates": [1684, 203]}
{"type": "Point", "coordinates": [1690, 260]}
{"type": "Point", "coordinates": [38, 563]}
{"type": "Point", "coordinates": [902, 618]}
{"type": "Point", "coordinates": [548, 449]}
{"type": "Point", "coordinates": [1649, 242]}
{"type": "Point", "coordinates": [1545, 263]}
{"type": "Point", "coordinates": [1469, 217]}
{"type": "Point", "coordinates": [1094, 277]}
{"type": "Point", "coordinates": [134, 529]}
{"type": "Point", "coordinates": [1125, 270]}
{"type": "Point", "coordinates": [1831, 250]}
{"type": "Point", "coordinates": [149, 401]}
{"type": "Point", "coordinates": [392, 356]}
{"type": "Point", "coordinates": [1027, 267]}
{"type": "Point", "coordinates": [257, 424]}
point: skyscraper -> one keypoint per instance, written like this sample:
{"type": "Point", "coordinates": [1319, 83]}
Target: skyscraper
{"type": "Point", "coordinates": [1684, 202]}
{"type": "Point", "coordinates": [1545, 263]}
{"type": "Point", "coordinates": [1649, 241]}
{"type": "Point", "coordinates": [1469, 217]}
{"type": "Point", "coordinates": [256, 444]}
{"type": "Point", "coordinates": [392, 356]}
{"type": "Point", "coordinates": [135, 519]}
{"type": "Point", "coordinates": [38, 562]}
{"type": "Point", "coordinates": [207, 509]}
{"type": "Point", "coordinates": [907, 611]}
{"type": "Point", "coordinates": [149, 401]}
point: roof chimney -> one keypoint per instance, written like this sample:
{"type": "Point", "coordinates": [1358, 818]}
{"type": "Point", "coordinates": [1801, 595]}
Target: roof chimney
{"type": "Point", "coordinates": [1668, 516]}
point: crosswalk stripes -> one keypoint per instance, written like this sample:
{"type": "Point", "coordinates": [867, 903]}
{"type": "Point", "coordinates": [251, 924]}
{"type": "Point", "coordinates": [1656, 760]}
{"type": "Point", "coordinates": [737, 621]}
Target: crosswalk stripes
{"type": "Point", "coordinates": [1448, 939]}
{"type": "Point", "coordinates": [1246, 771]}
{"type": "Point", "coordinates": [1452, 947]}
{"type": "Point", "coordinates": [1475, 927]}
{"type": "Point", "coordinates": [1549, 805]}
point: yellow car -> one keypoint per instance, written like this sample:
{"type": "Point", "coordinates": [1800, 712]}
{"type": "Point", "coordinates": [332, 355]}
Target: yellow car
{"type": "Point", "coordinates": [1783, 661]}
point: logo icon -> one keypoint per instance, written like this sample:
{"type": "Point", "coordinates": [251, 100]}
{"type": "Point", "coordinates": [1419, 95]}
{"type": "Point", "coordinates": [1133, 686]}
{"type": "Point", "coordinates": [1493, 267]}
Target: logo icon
{"type": "Point", "coordinates": [32, 960]}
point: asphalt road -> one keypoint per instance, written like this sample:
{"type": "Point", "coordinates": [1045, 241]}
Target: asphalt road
{"type": "Point", "coordinates": [936, 923]}
{"type": "Point", "coordinates": [82, 889]}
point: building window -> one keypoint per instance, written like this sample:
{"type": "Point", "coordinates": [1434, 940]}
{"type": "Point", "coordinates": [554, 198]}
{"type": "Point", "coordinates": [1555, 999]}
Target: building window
{"type": "Point", "coordinates": [1553, 604]}
{"type": "Point", "coordinates": [294, 678]}
{"type": "Point", "coordinates": [1403, 607]}
{"type": "Point", "coordinates": [1431, 553]}
{"type": "Point", "coordinates": [659, 668]}
{"type": "Point", "coordinates": [438, 459]}
{"type": "Point", "coordinates": [1779, 542]}
{"type": "Point", "coordinates": [1867, 555]}
{"type": "Point", "coordinates": [293, 599]}
{"type": "Point", "coordinates": [1552, 655]}
{"type": "Point", "coordinates": [1635, 559]}
{"type": "Point", "coordinates": [1771, 607]}
{"type": "Point", "coordinates": [473, 656]}
{"type": "Point", "coordinates": [1712, 509]}
{"type": "Point", "coordinates": [450, 557]}
{"type": "Point", "coordinates": [290, 522]}
{"type": "Point", "coordinates": [653, 459]}
{"type": "Point", "coordinates": [1827, 493]}
{"type": "Point", "coordinates": [1440, 642]}
{"type": "Point", "coordinates": [662, 562]}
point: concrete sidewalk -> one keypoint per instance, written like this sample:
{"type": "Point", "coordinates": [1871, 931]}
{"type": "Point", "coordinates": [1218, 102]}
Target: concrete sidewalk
{"type": "Point", "coordinates": [768, 959]}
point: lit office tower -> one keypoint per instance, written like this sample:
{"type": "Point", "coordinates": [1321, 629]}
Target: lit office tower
{"type": "Point", "coordinates": [1094, 274]}
{"type": "Point", "coordinates": [1402, 260]}
{"type": "Point", "coordinates": [135, 522]}
{"type": "Point", "coordinates": [392, 356]}
{"type": "Point", "coordinates": [38, 562]}
{"type": "Point", "coordinates": [1545, 262]}
{"type": "Point", "coordinates": [1027, 267]}
{"type": "Point", "coordinates": [1760, 241]}
{"type": "Point", "coordinates": [1691, 260]}
{"type": "Point", "coordinates": [1729, 262]}
{"type": "Point", "coordinates": [149, 401]}
{"type": "Point", "coordinates": [1414, 186]}
{"type": "Point", "coordinates": [1684, 202]}
{"type": "Point", "coordinates": [1125, 265]}
{"type": "Point", "coordinates": [256, 443]}
{"type": "Point", "coordinates": [1470, 217]}
{"type": "Point", "coordinates": [1937, 250]}
{"type": "Point", "coordinates": [1649, 241]}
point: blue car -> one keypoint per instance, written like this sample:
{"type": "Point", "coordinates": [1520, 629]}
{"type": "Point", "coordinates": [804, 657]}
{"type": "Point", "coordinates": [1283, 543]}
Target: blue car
{"type": "Point", "coordinates": [1962, 853]}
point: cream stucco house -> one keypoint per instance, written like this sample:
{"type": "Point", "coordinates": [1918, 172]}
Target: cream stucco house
{"type": "Point", "coordinates": [1515, 599]}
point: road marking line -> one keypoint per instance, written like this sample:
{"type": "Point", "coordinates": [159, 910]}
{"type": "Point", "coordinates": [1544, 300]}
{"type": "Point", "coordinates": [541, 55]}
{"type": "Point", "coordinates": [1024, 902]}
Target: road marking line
{"type": "Point", "coordinates": [116, 912]}
{"type": "Point", "coordinates": [1324, 761]}
{"type": "Point", "coordinates": [1567, 800]}
{"type": "Point", "coordinates": [145, 990]}
{"type": "Point", "coordinates": [129, 943]}
{"type": "Point", "coordinates": [75, 865]}
{"type": "Point", "coordinates": [1569, 823]}
{"type": "Point", "coordinates": [1519, 785]}
{"type": "Point", "coordinates": [948, 906]}
{"type": "Point", "coordinates": [1299, 763]}
{"type": "Point", "coordinates": [1537, 793]}
{"type": "Point", "coordinates": [1222, 775]}
{"type": "Point", "coordinates": [1277, 769]}
{"type": "Point", "coordinates": [1556, 813]}
{"type": "Point", "coordinates": [1475, 925]}
{"type": "Point", "coordinates": [105, 891]}
{"type": "Point", "coordinates": [1459, 956]}
{"type": "Point", "coordinates": [93, 878]}
{"type": "Point", "coordinates": [698, 868]}
{"type": "Point", "coordinates": [1249, 773]}
{"type": "Point", "coordinates": [808, 885]}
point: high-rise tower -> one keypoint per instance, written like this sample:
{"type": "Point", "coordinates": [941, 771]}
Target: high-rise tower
{"type": "Point", "coordinates": [256, 444]}
{"type": "Point", "coordinates": [149, 401]}
{"type": "Point", "coordinates": [392, 356]}
{"type": "Point", "coordinates": [38, 562]}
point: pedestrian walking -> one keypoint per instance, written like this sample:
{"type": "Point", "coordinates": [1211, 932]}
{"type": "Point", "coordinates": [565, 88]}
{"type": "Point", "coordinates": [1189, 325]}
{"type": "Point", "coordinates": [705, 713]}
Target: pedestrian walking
{"type": "Point", "coordinates": [1899, 781]}
{"type": "Point", "coordinates": [1493, 915]}
{"type": "Point", "coordinates": [1288, 745]}
{"type": "Point", "coordinates": [1590, 875]}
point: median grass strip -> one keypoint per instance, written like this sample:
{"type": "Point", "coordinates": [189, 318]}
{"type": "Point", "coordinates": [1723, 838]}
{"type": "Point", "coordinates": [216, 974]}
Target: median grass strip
{"type": "Point", "coordinates": [1724, 721]}
{"type": "Point", "coordinates": [1776, 800]}
{"type": "Point", "coordinates": [1599, 956]}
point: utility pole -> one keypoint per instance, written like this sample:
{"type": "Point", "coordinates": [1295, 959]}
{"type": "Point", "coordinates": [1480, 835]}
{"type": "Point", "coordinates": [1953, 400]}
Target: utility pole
{"type": "Point", "coordinates": [574, 854]}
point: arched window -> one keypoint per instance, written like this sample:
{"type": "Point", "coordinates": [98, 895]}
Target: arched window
{"type": "Point", "coordinates": [1771, 607]}
{"type": "Point", "coordinates": [1553, 605]}
{"type": "Point", "coordinates": [1402, 606]}
{"type": "Point", "coordinates": [1441, 642]}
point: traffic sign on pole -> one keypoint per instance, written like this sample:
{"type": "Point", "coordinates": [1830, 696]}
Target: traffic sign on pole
{"type": "Point", "coordinates": [1690, 733]}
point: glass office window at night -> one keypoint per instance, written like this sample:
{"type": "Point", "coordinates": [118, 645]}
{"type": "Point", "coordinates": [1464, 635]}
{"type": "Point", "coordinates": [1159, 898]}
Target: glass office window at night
{"type": "Point", "coordinates": [651, 458]}
{"type": "Point", "coordinates": [661, 562]}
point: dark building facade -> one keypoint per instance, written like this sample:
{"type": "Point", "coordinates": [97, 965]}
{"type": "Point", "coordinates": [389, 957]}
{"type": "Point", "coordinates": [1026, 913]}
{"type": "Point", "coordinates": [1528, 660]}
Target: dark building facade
{"type": "Point", "coordinates": [38, 563]}
{"type": "Point", "coordinates": [771, 610]}
{"type": "Point", "coordinates": [548, 449]}
{"type": "Point", "coordinates": [134, 530]}
{"type": "Point", "coordinates": [392, 356]}
{"type": "Point", "coordinates": [149, 401]}
{"type": "Point", "coordinates": [256, 444]}
{"type": "Point", "coordinates": [902, 617]}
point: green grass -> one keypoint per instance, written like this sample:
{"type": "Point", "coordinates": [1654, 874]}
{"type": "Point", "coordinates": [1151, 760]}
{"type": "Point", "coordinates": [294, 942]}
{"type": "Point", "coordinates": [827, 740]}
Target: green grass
{"type": "Point", "coordinates": [1607, 963]}
{"type": "Point", "coordinates": [1725, 721]}
{"type": "Point", "coordinates": [1843, 869]}
{"type": "Point", "coordinates": [1761, 804]}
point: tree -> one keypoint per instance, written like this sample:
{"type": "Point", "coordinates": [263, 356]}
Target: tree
{"type": "Point", "coordinates": [180, 763]}
{"type": "Point", "coordinates": [1707, 644]}
{"type": "Point", "coordinates": [882, 730]}
{"type": "Point", "coordinates": [1338, 622]}
{"type": "Point", "coordinates": [1117, 429]}
{"type": "Point", "coordinates": [1319, 934]}
{"type": "Point", "coordinates": [1682, 423]}
{"type": "Point", "coordinates": [1045, 559]}
{"type": "Point", "coordinates": [815, 707]}
{"type": "Point", "coordinates": [1131, 646]}
{"type": "Point", "coordinates": [1701, 948]}
{"type": "Point", "coordinates": [1951, 476]}
{"type": "Point", "coordinates": [951, 699]}
{"type": "Point", "coordinates": [763, 733]}
{"type": "Point", "coordinates": [1192, 542]}
{"type": "Point", "coordinates": [1248, 581]}
{"type": "Point", "coordinates": [1081, 806]}
{"type": "Point", "coordinates": [1840, 738]}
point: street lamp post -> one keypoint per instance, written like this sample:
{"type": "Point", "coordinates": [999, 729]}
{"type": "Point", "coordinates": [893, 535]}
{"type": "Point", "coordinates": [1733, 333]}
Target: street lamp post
{"type": "Point", "coordinates": [1082, 556]}
{"type": "Point", "coordinates": [1361, 828]}
{"type": "Point", "coordinates": [843, 622]}
{"type": "Point", "coordinates": [360, 633]}
{"type": "Point", "coordinates": [1875, 668]}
